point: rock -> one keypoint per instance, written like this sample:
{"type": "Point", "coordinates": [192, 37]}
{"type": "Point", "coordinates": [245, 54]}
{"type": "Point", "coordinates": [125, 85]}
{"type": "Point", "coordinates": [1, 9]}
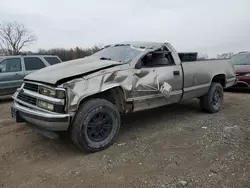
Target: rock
{"type": "Point", "coordinates": [121, 144]}
{"type": "Point", "coordinates": [213, 171]}
{"type": "Point", "coordinates": [140, 163]}
{"type": "Point", "coordinates": [183, 183]}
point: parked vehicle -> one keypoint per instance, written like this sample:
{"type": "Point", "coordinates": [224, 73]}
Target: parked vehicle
{"type": "Point", "coordinates": [14, 68]}
{"type": "Point", "coordinates": [86, 96]}
{"type": "Point", "coordinates": [241, 63]}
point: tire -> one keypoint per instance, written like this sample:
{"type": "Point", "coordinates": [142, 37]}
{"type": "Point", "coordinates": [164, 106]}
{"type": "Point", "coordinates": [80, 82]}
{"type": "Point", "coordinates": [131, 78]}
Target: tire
{"type": "Point", "coordinates": [212, 101]}
{"type": "Point", "coordinates": [96, 125]}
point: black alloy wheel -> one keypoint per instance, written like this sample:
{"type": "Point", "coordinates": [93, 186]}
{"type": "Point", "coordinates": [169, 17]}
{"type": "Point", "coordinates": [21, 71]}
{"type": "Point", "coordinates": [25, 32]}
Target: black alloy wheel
{"type": "Point", "coordinates": [99, 126]}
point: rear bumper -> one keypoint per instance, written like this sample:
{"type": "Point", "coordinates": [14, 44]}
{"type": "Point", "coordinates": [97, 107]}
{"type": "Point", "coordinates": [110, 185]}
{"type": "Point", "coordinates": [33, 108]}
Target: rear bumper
{"type": "Point", "coordinates": [44, 120]}
{"type": "Point", "coordinates": [243, 82]}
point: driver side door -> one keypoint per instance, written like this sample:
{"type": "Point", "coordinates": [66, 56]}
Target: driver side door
{"type": "Point", "coordinates": [148, 82]}
{"type": "Point", "coordinates": [11, 75]}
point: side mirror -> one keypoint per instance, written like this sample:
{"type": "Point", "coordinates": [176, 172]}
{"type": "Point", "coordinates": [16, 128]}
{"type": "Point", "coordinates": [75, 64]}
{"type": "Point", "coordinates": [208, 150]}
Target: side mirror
{"type": "Point", "coordinates": [138, 65]}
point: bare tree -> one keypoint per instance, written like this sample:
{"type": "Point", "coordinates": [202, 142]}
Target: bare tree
{"type": "Point", "coordinates": [14, 36]}
{"type": "Point", "coordinates": [225, 55]}
{"type": "Point", "coordinates": [202, 56]}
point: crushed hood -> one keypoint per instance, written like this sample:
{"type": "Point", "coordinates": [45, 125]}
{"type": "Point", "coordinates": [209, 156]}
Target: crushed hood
{"type": "Point", "coordinates": [53, 74]}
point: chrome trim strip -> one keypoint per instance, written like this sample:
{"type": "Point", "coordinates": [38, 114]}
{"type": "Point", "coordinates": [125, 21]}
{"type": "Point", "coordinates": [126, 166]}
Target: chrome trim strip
{"type": "Point", "coordinates": [197, 87]}
{"type": "Point", "coordinates": [31, 106]}
{"type": "Point", "coordinates": [179, 92]}
{"type": "Point", "coordinates": [231, 79]}
{"type": "Point", "coordinates": [44, 97]}
{"type": "Point", "coordinates": [145, 97]}
{"type": "Point", "coordinates": [39, 113]}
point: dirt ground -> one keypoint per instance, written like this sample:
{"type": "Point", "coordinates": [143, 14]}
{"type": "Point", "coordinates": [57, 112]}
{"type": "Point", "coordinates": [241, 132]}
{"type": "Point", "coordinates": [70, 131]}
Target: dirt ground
{"type": "Point", "coordinates": [173, 146]}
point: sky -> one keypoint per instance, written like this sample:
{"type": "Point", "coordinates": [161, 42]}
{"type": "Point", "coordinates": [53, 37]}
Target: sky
{"type": "Point", "coordinates": [205, 26]}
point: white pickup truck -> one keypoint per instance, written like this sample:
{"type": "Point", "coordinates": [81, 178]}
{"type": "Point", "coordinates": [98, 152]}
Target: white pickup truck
{"type": "Point", "coordinates": [85, 97]}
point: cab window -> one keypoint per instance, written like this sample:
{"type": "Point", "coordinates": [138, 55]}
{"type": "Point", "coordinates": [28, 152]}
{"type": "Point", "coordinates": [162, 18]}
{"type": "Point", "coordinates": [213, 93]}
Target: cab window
{"type": "Point", "coordinates": [33, 63]}
{"type": "Point", "coordinates": [11, 65]}
{"type": "Point", "coordinates": [52, 60]}
{"type": "Point", "coordinates": [158, 59]}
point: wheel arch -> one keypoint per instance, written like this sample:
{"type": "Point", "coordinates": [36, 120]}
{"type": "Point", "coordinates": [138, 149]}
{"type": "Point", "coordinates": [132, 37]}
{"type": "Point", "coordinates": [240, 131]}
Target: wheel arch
{"type": "Point", "coordinates": [219, 78]}
{"type": "Point", "coordinates": [115, 95]}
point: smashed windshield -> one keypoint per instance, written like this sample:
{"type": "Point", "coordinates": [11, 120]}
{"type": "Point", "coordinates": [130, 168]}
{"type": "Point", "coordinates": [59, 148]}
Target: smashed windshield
{"type": "Point", "coordinates": [241, 59]}
{"type": "Point", "coordinates": [118, 53]}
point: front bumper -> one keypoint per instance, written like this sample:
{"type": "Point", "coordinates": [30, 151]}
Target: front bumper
{"type": "Point", "coordinates": [44, 120]}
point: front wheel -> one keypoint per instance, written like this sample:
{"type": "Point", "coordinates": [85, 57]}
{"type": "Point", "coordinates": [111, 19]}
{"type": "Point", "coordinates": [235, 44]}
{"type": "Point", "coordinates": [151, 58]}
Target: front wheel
{"type": "Point", "coordinates": [212, 101]}
{"type": "Point", "coordinates": [96, 125]}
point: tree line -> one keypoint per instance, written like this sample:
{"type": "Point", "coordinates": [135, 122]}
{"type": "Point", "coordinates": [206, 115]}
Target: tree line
{"type": "Point", "coordinates": [228, 55]}
{"type": "Point", "coordinates": [69, 54]}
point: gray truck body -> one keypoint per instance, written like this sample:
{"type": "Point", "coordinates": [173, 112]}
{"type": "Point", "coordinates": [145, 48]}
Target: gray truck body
{"type": "Point", "coordinates": [131, 86]}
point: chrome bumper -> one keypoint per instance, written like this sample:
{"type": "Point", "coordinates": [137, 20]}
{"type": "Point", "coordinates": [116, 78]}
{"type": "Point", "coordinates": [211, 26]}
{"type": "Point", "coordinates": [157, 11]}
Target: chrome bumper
{"type": "Point", "coordinates": [44, 120]}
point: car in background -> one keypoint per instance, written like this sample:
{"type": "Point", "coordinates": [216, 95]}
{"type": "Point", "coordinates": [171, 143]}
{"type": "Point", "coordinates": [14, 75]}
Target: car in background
{"type": "Point", "coordinates": [14, 68]}
{"type": "Point", "coordinates": [241, 64]}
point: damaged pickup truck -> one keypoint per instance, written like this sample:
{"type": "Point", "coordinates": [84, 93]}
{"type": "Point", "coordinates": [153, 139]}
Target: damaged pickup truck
{"type": "Point", "coordinates": [85, 97]}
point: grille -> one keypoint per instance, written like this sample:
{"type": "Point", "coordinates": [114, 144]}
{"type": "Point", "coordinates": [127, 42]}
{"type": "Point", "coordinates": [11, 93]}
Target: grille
{"type": "Point", "coordinates": [27, 99]}
{"type": "Point", "coordinates": [32, 87]}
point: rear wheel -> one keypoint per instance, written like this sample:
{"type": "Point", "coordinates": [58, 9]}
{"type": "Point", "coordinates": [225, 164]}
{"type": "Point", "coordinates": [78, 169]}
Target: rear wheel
{"type": "Point", "coordinates": [96, 125]}
{"type": "Point", "coordinates": [212, 101]}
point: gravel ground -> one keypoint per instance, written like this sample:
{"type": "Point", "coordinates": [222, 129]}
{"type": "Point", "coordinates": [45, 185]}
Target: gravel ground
{"type": "Point", "coordinates": [173, 146]}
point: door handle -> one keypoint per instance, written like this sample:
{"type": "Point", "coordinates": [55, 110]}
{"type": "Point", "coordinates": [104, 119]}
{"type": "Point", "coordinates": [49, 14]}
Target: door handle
{"type": "Point", "coordinates": [17, 74]}
{"type": "Point", "coordinates": [176, 73]}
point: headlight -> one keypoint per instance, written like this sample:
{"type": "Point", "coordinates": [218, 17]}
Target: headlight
{"type": "Point", "coordinates": [60, 94]}
{"type": "Point", "coordinates": [45, 105]}
{"type": "Point", "coordinates": [47, 91]}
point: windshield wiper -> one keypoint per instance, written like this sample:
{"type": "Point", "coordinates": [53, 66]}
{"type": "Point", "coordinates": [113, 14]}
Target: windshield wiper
{"type": "Point", "coordinates": [105, 58]}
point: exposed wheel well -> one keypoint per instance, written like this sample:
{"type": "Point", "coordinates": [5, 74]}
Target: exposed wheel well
{"type": "Point", "coordinates": [220, 78]}
{"type": "Point", "coordinates": [114, 95]}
